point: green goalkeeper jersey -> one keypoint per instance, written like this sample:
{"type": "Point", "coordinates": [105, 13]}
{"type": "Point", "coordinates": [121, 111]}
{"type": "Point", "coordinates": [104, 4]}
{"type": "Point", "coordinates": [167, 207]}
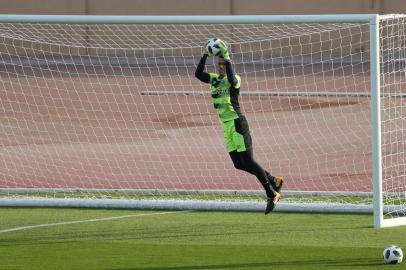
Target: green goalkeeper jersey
{"type": "Point", "coordinates": [225, 97]}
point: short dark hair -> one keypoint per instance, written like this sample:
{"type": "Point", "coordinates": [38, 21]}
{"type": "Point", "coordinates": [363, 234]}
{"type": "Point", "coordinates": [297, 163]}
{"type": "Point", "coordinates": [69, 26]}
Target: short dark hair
{"type": "Point", "coordinates": [222, 57]}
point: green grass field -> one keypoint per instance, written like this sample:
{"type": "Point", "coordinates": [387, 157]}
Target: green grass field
{"type": "Point", "coordinates": [59, 239]}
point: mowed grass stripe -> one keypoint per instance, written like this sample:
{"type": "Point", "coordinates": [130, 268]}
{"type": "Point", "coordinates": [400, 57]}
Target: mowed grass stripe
{"type": "Point", "coordinates": [84, 221]}
{"type": "Point", "coordinates": [195, 240]}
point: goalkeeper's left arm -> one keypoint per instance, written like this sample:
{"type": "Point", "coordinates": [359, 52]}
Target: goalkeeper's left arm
{"type": "Point", "coordinates": [227, 62]}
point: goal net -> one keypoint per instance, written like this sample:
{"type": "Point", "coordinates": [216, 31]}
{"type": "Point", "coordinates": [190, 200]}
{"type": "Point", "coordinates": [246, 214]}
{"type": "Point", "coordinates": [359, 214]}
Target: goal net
{"type": "Point", "coordinates": [110, 114]}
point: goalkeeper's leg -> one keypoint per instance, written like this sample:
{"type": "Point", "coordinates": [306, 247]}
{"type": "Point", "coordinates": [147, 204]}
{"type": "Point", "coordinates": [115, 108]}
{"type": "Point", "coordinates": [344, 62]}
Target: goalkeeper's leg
{"type": "Point", "coordinates": [244, 161]}
{"type": "Point", "coordinates": [239, 144]}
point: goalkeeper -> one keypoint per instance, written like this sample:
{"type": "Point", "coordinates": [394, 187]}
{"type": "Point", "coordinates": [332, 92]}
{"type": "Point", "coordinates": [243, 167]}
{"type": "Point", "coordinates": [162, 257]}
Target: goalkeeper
{"type": "Point", "coordinates": [225, 88]}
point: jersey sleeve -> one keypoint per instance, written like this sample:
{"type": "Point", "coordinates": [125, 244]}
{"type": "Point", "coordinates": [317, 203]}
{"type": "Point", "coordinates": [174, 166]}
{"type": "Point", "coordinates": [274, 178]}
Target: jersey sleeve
{"type": "Point", "coordinates": [199, 73]}
{"type": "Point", "coordinates": [238, 84]}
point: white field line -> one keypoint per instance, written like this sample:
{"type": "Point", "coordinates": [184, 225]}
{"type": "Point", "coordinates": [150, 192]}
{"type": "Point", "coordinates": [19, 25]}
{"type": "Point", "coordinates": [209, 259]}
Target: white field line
{"type": "Point", "coordinates": [85, 221]}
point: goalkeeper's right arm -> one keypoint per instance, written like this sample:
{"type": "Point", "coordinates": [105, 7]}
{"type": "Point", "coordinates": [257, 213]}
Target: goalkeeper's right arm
{"type": "Point", "coordinates": [199, 73]}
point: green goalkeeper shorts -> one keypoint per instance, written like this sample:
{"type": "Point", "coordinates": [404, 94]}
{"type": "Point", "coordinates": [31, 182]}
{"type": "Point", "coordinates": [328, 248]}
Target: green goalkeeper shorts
{"type": "Point", "coordinates": [237, 134]}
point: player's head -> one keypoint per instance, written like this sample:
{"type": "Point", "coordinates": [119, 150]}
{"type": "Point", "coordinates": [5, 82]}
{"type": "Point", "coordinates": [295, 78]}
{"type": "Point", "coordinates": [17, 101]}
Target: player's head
{"type": "Point", "coordinates": [221, 66]}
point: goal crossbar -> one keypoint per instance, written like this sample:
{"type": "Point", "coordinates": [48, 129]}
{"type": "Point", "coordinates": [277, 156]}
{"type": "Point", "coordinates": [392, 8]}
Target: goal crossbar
{"type": "Point", "coordinates": [209, 19]}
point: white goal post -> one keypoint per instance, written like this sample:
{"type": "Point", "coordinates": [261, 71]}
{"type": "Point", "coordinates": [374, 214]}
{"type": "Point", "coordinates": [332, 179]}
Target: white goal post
{"type": "Point", "coordinates": [105, 111]}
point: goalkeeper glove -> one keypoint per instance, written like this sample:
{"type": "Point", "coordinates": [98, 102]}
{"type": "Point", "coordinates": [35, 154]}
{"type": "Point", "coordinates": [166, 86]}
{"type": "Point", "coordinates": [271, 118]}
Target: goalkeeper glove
{"type": "Point", "coordinates": [224, 51]}
{"type": "Point", "coordinates": [204, 49]}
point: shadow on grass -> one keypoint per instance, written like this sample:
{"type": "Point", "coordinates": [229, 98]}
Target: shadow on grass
{"type": "Point", "coordinates": [310, 264]}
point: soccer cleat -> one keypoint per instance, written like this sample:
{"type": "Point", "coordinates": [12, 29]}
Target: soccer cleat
{"type": "Point", "coordinates": [277, 183]}
{"type": "Point", "coordinates": [271, 202]}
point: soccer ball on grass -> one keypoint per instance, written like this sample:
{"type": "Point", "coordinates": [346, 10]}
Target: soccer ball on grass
{"type": "Point", "coordinates": [392, 255]}
{"type": "Point", "coordinates": [213, 47]}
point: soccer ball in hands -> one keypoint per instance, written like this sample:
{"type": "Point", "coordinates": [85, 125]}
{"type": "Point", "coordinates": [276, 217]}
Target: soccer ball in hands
{"type": "Point", "coordinates": [213, 47]}
{"type": "Point", "coordinates": [393, 255]}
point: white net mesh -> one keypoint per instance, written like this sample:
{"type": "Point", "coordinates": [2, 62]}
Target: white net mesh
{"type": "Point", "coordinates": [393, 114]}
{"type": "Point", "coordinates": [114, 111]}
